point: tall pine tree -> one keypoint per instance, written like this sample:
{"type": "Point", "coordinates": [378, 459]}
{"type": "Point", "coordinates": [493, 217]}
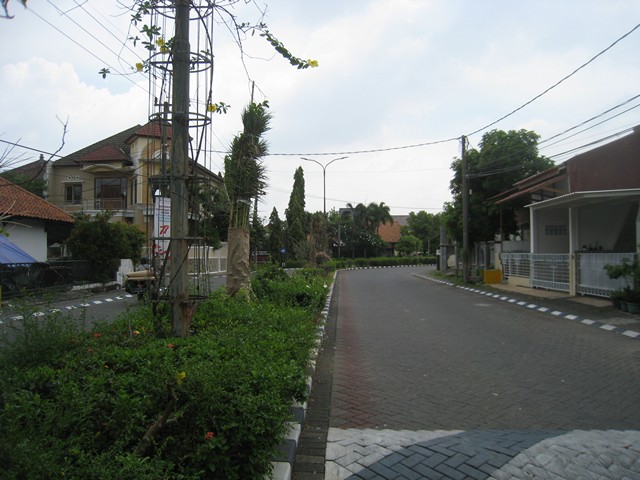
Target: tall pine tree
{"type": "Point", "coordinates": [297, 218]}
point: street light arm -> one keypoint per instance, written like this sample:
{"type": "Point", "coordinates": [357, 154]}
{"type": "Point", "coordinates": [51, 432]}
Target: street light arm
{"type": "Point", "coordinates": [324, 178]}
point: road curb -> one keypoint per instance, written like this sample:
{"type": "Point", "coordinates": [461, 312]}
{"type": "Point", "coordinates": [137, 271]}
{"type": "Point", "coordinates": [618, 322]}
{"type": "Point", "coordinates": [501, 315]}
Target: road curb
{"type": "Point", "coordinates": [283, 464]}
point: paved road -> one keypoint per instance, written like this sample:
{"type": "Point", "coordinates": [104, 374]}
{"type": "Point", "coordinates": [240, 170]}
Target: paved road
{"type": "Point", "coordinates": [423, 380]}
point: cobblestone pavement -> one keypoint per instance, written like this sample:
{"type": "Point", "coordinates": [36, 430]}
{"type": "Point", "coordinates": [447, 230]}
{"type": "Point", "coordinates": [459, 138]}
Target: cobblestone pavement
{"type": "Point", "coordinates": [426, 381]}
{"type": "Point", "coordinates": [386, 454]}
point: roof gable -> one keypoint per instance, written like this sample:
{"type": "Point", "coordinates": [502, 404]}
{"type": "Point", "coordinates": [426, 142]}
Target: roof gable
{"type": "Point", "coordinates": [119, 140]}
{"type": "Point", "coordinates": [18, 202]}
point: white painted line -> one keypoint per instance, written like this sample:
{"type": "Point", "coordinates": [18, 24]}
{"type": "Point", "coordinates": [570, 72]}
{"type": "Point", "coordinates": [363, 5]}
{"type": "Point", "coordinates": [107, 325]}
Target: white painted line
{"type": "Point", "coordinates": [570, 317]}
{"type": "Point", "coordinates": [556, 313]}
{"type": "Point", "coordinates": [109, 299]}
{"type": "Point", "coordinates": [543, 309]}
{"type": "Point", "coordinates": [503, 298]}
{"type": "Point", "coordinates": [631, 333]}
{"type": "Point", "coordinates": [85, 304]}
{"type": "Point", "coordinates": [608, 327]}
{"type": "Point", "coordinates": [532, 305]}
{"type": "Point", "coordinates": [586, 321]}
{"type": "Point", "coordinates": [97, 302]}
{"type": "Point", "coordinates": [522, 303]}
{"type": "Point", "coordinates": [512, 300]}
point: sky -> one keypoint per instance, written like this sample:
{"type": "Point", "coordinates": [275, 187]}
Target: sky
{"type": "Point", "coordinates": [398, 83]}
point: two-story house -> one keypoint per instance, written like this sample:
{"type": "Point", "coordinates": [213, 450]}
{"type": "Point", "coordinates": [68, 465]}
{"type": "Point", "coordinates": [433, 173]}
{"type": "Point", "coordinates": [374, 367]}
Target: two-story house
{"type": "Point", "coordinates": [122, 173]}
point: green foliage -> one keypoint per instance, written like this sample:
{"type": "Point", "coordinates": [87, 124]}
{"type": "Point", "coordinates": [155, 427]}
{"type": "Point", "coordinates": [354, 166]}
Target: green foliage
{"type": "Point", "coordinates": [104, 243]}
{"type": "Point", "coordinates": [275, 235]}
{"type": "Point", "coordinates": [409, 245]}
{"type": "Point", "coordinates": [380, 262]}
{"type": "Point", "coordinates": [425, 226]}
{"type": "Point", "coordinates": [223, 394]}
{"type": "Point", "coordinates": [503, 159]}
{"type": "Point", "coordinates": [300, 290]}
{"type": "Point", "coordinates": [37, 186]}
{"type": "Point", "coordinates": [244, 173]}
{"type": "Point", "coordinates": [297, 218]}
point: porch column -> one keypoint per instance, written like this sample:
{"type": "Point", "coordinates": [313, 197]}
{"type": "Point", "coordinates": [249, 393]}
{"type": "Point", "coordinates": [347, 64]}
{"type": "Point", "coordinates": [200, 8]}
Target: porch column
{"type": "Point", "coordinates": [573, 248]}
{"type": "Point", "coordinates": [532, 232]}
{"type": "Point", "coordinates": [638, 231]}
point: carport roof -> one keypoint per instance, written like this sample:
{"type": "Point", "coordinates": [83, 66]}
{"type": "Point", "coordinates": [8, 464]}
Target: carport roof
{"type": "Point", "coordinates": [579, 199]}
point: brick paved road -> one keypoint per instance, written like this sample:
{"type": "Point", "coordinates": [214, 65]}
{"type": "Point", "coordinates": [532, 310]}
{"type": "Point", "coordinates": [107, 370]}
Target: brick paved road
{"type": "Point", "coordinates": [431, 381]}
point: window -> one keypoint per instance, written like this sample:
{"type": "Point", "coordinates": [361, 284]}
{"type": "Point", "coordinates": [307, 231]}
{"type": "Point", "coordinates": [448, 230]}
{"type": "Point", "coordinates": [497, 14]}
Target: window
{"type": "Point", "coordinates": [111, 193]}
{"type": "Point", "coordinates": [73, 194]}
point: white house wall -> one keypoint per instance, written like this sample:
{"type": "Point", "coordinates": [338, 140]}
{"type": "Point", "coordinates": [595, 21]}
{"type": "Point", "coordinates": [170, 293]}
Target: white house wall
{"type": "Point", "coordinates": [30, 236]}
{"type": "Point", "coordinates": [600, 226]}
{"type": "Point", "coordinates": [548, 225]}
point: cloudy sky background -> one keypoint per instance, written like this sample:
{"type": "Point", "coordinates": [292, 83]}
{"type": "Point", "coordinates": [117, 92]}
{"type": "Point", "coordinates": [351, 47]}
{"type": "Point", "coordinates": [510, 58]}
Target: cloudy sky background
{"type": "Point", "coordinates": [391, 75]}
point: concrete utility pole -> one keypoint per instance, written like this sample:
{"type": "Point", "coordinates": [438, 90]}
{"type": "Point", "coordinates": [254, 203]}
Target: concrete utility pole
{"type": "Point", "coordinates": [181, 311]}
{"type": "Point", "coordinates": [465, 212]}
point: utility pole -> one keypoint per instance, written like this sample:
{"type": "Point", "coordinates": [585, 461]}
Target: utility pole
{"type": "Point", "coordinates": [178, 286]}
{"type": "Point", "coordinates": [465, 212]}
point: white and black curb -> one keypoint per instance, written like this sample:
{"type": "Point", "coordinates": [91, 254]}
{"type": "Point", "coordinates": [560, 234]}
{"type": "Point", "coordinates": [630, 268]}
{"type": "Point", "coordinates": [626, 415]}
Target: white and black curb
{"type": "Point", "coordinates": [283, 465]}
{"type": "Point", "coordinates": [542, 309]}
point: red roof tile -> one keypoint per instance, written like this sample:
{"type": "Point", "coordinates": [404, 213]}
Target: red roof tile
{"type": "Point", "coordinates": [17, 202]}
{"type": "Point", "coordinates": [389, 232]}
{"type": "Point", "coordinates": [106, 153]}
{"type": "Point", "coordinates": [152, 129]}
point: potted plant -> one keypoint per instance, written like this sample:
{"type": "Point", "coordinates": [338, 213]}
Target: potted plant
{"type": "Point", "coordinates": [630, 272]}
{"type": "Point", "coordinates": [633, 301]}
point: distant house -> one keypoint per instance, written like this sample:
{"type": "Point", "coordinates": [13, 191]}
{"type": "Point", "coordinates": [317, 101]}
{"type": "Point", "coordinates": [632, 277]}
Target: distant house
{"type": "Point", "coordinates": [122, 173]}
{"type": "Point", "coordinates": [32, 223]}
{"type": "Point", "coordinates": [390, 233]}
{"type": "Point", "coordinates": [583, 214]}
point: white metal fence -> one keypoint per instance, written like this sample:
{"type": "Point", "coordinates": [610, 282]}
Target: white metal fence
{"type": "Point", "coordinates": [592, 277]}
{"type": "Point", "coordinates": [553, 271]}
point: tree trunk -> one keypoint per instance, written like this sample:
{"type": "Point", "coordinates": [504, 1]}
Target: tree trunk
{"type": "Point", "coordinates": [238, 273]}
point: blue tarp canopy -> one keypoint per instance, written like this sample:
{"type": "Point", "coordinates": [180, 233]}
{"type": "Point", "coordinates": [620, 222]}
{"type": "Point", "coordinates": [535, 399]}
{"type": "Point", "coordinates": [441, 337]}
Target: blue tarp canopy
{"type": "Point", "coordinates": [11, 253]}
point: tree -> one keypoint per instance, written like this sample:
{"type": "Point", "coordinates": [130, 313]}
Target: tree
{"type": "Point", "coordinates": [318, 237]}
{"type": "Point", "coordinates": [503, 159]}
{"type": "Point", "coordinates": [296, 217]}
{"type": "Point", "coordinates": [245, 180]}
{"type": "Point", "coordinates": [408, 245]}
{"type": "Point", "coordinates": [212, 204]}
{"type": "Point", "coordinates": [425, 226]}
{"type": "Point", "coordinates": [275, 235]}
{"type": "Point", "coordinates": [104, 243]}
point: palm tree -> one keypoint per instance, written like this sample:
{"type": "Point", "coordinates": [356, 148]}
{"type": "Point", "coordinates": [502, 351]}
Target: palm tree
{"type": "Point", "coordinates": [245, 180]}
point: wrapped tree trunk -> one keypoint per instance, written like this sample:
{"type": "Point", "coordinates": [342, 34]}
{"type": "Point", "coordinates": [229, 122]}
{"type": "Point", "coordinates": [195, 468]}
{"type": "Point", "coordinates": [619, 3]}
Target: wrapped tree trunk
{"type": "Point", "coordinates": [238, 273]}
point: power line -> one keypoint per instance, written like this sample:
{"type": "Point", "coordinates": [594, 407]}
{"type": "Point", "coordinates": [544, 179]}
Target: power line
{"type": "Point", "coordinates": [557, 83]}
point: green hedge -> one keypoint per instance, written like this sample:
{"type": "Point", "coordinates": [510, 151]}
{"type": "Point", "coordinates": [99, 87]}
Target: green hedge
{"type": "Point", "coordinates": [224, 393]}
{"type": "Point", "coordinates": [380, 262]}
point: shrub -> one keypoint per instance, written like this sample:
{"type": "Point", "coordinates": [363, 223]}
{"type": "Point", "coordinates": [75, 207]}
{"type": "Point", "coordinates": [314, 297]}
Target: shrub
{"type": "Point", "coordinates": [220, 398]}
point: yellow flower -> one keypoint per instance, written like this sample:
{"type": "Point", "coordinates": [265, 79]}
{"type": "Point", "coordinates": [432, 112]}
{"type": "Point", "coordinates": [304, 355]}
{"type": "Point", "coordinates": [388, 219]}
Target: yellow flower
{"type": "Point", "coordinates": [211, 107]}
{"type": "Point", "coordinates": [136, 332]}
{"type": "Point", "coordinates": [180, 377]}
{"type": "Point", "coordinates": [160, 42]}
{"type": "Point", "coordinates": [139, 66]}
{"type": "Point", "coordinates": [312, 63]}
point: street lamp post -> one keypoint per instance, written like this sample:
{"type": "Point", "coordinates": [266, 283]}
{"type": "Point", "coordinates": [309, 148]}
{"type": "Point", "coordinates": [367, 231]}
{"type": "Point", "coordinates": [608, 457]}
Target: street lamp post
{"type": "Point", "coordinates": [324, 178]}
